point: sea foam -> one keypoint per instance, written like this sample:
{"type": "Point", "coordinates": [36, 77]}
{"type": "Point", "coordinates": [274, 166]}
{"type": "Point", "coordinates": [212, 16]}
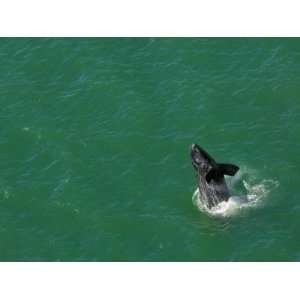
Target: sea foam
{"type": "Point", "coordinates": [255, 192]}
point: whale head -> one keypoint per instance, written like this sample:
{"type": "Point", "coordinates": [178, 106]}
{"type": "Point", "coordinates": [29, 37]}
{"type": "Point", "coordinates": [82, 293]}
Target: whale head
{"type": "Point", "coordinates": [206, 166]}
{"type": "Point", "coordinates": [201, 160]}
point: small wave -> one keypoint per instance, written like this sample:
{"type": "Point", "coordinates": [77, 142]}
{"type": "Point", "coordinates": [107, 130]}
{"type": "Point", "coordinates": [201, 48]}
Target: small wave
{"type": "Point", "coordinates": [254, 195]}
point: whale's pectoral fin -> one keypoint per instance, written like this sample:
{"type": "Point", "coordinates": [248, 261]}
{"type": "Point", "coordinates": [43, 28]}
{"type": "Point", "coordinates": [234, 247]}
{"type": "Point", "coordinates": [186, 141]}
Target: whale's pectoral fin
{"type": "Point", "coordinates": [221, 170]}
{"type": "Point", "coordinates": [228, 169]}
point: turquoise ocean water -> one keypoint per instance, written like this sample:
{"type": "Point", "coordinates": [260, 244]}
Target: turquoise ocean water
{"type": "Point", "coordinates": [94, 148]}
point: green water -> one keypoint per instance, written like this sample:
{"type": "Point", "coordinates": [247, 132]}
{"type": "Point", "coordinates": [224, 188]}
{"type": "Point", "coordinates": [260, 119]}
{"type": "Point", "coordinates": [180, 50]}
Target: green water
{"type": "Point", "coordinates": [94, 139]}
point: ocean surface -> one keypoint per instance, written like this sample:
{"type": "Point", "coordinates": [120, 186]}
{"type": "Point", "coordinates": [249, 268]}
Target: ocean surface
{"type": "Point", "coordinates": [94, 148]}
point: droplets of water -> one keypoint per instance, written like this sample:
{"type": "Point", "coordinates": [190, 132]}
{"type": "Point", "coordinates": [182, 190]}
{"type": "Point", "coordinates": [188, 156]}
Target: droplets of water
{"type": "Point", "coordinates": [256, 192]}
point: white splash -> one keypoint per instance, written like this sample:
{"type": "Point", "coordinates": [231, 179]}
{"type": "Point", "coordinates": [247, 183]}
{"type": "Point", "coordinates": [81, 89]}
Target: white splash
{"type": "Point", "coordinates": [256, 193]}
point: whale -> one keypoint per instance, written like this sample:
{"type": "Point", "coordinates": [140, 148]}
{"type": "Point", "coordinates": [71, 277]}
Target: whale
{"type": "Point", "coordinates": [210, 177]}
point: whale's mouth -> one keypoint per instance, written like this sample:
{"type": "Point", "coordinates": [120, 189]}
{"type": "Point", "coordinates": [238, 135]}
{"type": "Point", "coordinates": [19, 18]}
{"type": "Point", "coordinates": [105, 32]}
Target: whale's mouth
{"type": "Point", "coordinates": [196, 157]}
{"type": "Point", "coordinates": [193, 151]}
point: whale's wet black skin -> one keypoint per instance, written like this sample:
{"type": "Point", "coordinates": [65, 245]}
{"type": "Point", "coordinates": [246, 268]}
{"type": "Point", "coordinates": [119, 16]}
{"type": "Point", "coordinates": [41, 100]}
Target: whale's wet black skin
{"type": "Point", "coordinates": [210, 177]}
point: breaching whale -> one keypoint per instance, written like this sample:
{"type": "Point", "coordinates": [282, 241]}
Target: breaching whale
{"type": "Point", "coordinates": [210, 176]}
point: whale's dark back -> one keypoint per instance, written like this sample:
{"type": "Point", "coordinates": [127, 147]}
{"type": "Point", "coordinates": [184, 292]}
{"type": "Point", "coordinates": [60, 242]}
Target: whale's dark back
{"type": "Point", "coordinates": [211, 194]}
{"type": "Point", "coordinates": [210, 176]}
